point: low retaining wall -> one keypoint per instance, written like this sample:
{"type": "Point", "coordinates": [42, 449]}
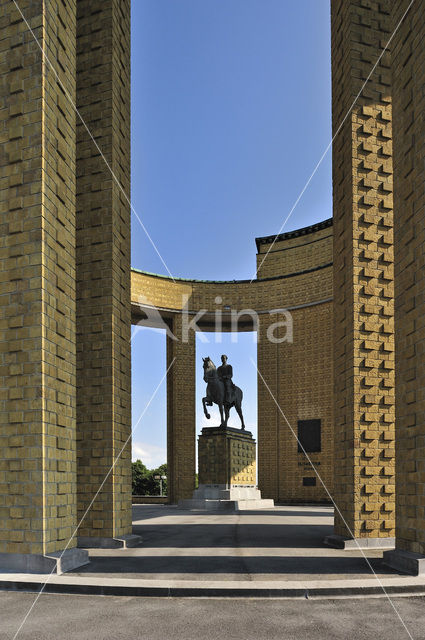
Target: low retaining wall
{"type": "Point", "coordinates": [150, 499]}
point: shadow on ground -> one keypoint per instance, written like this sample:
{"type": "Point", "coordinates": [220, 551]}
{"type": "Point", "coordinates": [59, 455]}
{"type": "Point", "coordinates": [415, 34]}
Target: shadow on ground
{"type": "Point", "coordinates": [234, 566]}
{"type": "Point", "coordinates": [213, 535]}
{"type": "Point", "coordinates": [282, 543]}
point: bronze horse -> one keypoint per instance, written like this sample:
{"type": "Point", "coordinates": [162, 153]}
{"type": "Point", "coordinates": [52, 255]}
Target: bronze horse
{"type": "Point", "coordinates": [216, 393]}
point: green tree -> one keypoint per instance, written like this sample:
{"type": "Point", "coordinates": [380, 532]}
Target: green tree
{"type": "Point", "coordinates": [140, 478]}
{"type": "Point", "coordinates": [144, 482]}
{"type": "Point", "coordinates": [160, 471]}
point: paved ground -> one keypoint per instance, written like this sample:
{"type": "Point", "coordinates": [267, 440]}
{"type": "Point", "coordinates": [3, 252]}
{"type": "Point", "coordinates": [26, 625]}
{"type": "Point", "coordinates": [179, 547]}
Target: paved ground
{"type": "Point", "coordinates": [285, 543]}
{"type": "Point", "coordinates": [274, 549]}
{"type": "Point", "coordinates": [60, 617]}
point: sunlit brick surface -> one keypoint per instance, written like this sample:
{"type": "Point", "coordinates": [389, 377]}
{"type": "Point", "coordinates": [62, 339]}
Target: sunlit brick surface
{"type": "Point", "coordinates": [363, 271]}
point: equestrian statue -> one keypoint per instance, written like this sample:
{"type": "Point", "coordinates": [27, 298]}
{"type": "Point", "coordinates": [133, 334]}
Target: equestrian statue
{"type": "Point", "coordinates": [221, 390]}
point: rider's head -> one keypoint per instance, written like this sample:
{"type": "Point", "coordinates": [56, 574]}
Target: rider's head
{"type": "Point", "coordinates": [224, 359]}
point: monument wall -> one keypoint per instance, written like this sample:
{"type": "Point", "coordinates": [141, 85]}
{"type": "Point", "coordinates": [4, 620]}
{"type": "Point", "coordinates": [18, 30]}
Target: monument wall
{"type": "Point", "coordinates": [66, 309]}
{"type": "Point", "coordinates": [295, 276]}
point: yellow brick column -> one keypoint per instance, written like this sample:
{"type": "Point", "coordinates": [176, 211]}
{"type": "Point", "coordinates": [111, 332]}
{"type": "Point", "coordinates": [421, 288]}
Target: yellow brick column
{"type": "Point", "coordinates": [409, 227]}
{"type": "Point", "coordinates": [181, 424]}
{"type": "Point", "coordinates": [269, 417]}
{"type": "Point", "coordinates": [363, 272]}
{"type": "Point", "coordinates": [37, 292]}
{"type": "Point", "coordinates": [103, 273]}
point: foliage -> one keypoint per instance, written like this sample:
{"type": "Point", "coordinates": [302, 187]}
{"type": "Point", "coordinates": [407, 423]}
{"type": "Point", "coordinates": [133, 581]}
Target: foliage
{"type": "Point", "coordinates": [143, 480]}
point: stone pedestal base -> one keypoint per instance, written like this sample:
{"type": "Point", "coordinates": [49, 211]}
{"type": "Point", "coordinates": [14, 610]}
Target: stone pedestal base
{"type": "Point", "coordinates": [405, 561]}
{"type": "Point", "coordinates": [338, 542]}
{"type": "Point", "coordinates": [221, 497]}
{"type": "Point", "coordinates": [57, 562]}
{"type": "Point", "coordinates": [227, 472]}
{"type": "Point", "coordinates": [124, 542]}
{"type": "Point", "coordinates": [226, 456]}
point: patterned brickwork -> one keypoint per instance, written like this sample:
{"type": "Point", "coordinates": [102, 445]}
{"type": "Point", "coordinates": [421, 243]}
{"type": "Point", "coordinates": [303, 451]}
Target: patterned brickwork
{"type": "Point", "coordinates": [409, 227]}
{"type": "Point", "coordinates": [181, 426]}
{"type": "Point", "coordinates": [103, 266]}
{"type": "Point", "coordinates": [37, 263]}
{"type": "Point", "coordinates": [226, 456]}
{"type": "Point", "coordinates": [363, 270]}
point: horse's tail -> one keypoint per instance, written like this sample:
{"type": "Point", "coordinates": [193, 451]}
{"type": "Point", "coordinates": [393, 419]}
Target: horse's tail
{"type": "Point", "coordinates": [238, 395]}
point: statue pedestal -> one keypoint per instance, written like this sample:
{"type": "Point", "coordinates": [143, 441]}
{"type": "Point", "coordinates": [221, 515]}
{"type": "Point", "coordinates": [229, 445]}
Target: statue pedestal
{"type": "Point", "coordinates": [227, 472]}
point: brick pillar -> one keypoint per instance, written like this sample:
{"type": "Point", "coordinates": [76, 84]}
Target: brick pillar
{"type": "Point", "coordinates": [363, 271]}
{"type": "Point", "coordinates": [269, 417]}
{"type": "Point", "coordinates": [181, 423]}
{"type": "Point", "coordinates": [409, 219]}
{"type": "Point", "coordinates": [103, 270]}
{"type": "Point", "coordinates": [37, 299]}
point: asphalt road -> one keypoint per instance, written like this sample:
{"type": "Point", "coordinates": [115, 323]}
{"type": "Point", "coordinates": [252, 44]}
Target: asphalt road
{"type": "Point", "coordinates": [62, 617]}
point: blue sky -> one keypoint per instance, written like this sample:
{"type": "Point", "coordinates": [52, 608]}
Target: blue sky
{"type": "Point", "coordinates": [231, 111]}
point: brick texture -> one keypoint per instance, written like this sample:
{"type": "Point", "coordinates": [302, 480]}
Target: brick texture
{"type": "Point", "coordinates": [66, 308]}
{"type": "Point", "coordinates": [37, 266]}
{"type": "Point", "coordinates": [409, 222]}
{"type": "Point", "coordinates": [363, 271]}
{"type": "Point", "coordinates": [103, 267]}
{"type": "Point", "coordinates": [181, 426]}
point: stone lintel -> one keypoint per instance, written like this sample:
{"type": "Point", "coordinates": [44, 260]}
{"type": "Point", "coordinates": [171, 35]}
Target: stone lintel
{"type": "Point", "coordinates": [405, 561]}
{"type": "Point", "coordinates": [339, 542]}
{"type": "Point", "coordinates": [123, 542]}
{"type": "Point", "coordinates": [57, 562]}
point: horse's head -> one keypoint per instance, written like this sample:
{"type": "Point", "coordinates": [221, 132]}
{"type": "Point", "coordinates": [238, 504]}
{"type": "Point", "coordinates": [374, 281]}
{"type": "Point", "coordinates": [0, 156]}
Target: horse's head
{"type": "Point", "coordinates": [209, 368]}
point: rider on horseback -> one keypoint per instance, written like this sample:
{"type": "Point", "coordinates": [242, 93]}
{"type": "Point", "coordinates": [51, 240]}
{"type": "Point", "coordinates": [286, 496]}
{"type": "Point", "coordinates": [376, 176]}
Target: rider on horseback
{"type": "Point", "coordinates": [225, 373]}
{"type": "Point", "coordinates": [221, 390]}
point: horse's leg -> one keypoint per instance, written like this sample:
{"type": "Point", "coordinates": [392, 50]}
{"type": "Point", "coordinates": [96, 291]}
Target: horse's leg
{"type": "Point", "coordinates": [239, 411]}
{"type": "Point", "coordinates": [226, 412]}
{"type": "Point", "coordinates": [238, 407]}
{"type": "Point", "coordinates": [204, 402]}
{"type": "Point", "coordinates": [220, 406]}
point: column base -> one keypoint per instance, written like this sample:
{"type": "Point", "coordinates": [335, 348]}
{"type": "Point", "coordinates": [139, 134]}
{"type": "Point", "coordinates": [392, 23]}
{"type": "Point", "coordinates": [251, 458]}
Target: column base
{"type": "Point", "coordinates": [405, 561]}
{"type": "Point", "coordinates": [222, 497]}
{"type": "Point", "coordinates": [339, 542]}
{"type": "Point", "coordinates": [56, 562]}
{"type": "Point", "coordinates": [123, 542]}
